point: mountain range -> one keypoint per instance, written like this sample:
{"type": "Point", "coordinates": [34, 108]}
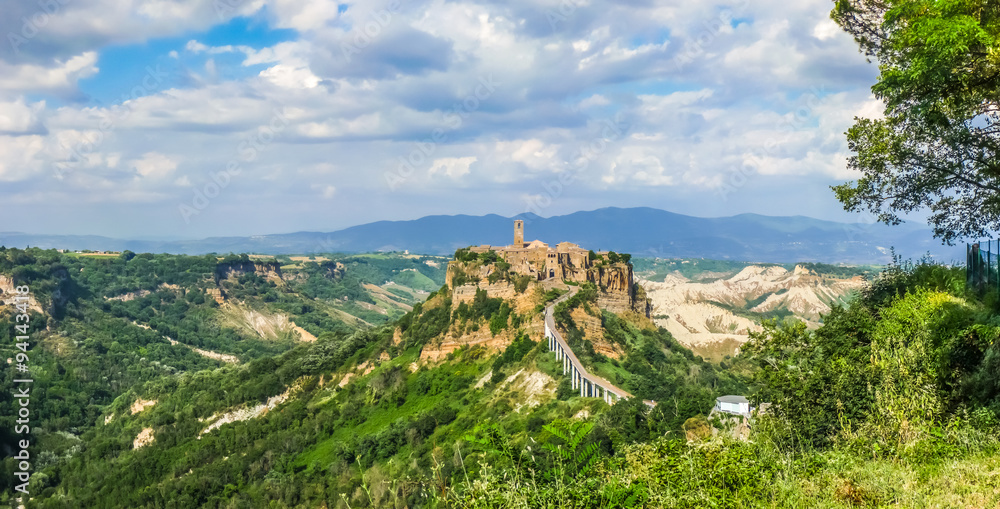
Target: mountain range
{"type": "Point", "coordinates": [641, 231]}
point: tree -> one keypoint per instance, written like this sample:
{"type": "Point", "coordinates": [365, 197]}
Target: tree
{"type": "Point", "coordinates": [938, 146]}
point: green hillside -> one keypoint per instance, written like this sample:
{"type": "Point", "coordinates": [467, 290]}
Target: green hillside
{"type": "Point", "coordinates": [892, 401]}
{"type": "Point", "coordinates": [132, 412]}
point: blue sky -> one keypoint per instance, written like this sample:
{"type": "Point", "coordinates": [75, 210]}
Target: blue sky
{"type": "Point", "coordinates": [185, 119]}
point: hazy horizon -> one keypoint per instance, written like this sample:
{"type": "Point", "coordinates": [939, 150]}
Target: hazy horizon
{"type": "Point", "coordinates": [164, 238]}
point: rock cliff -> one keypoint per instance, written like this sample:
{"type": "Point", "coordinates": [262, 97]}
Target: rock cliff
{"type": "Point", "coordinates": [618, 291]}
{"type": "Point", "coordinates": [267, 270]}
{"type": "Point", "coordinates": [7, 294]}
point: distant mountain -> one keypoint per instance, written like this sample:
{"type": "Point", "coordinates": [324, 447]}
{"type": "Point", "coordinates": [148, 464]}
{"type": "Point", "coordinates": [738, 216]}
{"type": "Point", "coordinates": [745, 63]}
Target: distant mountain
{"type": "Point", "coordinates": [644, 232]}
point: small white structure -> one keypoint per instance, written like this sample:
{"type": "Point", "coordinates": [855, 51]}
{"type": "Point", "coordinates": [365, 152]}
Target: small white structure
{"type": "Point", "coordinates": [737, 405]}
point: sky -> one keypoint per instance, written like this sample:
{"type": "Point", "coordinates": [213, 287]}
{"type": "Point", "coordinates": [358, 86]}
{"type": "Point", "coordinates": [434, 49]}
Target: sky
{"type": "Point", "coordinates": [186, 119]}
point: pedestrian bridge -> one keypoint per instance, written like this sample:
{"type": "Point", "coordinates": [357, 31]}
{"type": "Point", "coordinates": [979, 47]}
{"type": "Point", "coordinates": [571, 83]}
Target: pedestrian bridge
{"type": "Point", "coordinates": [590, 385]}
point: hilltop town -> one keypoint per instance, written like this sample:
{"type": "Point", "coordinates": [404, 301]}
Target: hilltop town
{"type": "Point", "coordinates": [537, 261]}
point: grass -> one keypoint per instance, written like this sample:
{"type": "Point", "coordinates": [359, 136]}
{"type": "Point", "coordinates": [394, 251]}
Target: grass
{"type": "Point", "coordinates": [846, 481]}
{"type": "Point", "coordinates": [415, 280]}
{"type": "Point", "coordinates": [721, 472]}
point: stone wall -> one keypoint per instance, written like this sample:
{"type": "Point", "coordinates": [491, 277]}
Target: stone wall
{"type": "Point", "coordinates": [467, 292]}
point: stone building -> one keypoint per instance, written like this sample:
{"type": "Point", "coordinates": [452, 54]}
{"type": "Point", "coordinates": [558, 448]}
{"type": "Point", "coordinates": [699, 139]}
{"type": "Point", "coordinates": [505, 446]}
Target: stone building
{"type": "Point", "coordinates": [565, 261]}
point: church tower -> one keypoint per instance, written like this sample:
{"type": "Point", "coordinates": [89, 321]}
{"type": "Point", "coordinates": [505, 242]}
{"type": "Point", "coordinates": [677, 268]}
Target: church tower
{"type": "Point", "coordinates": [518, 233]}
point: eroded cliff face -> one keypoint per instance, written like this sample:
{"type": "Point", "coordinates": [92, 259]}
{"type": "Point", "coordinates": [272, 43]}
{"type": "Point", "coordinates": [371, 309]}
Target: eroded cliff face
{"type": "Point", "coordinates": [8, 292]}
{"type": "Point", "coordinates": [270, 271]}
{"type": "Point", "coordinates": [457, 338]}
{"type": "Point", "coordinates": [593, 331]}
{"type": "Point", "coordinates": [690, 310]}
{"type": "Point", "coordinates": [47, 299]}
{"type": "Point", "coordinates": [618, 291]}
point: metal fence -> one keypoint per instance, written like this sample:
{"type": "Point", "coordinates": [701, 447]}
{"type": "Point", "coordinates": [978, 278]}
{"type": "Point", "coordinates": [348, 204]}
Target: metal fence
{"type": "Point", "coordinates": [982, 265]}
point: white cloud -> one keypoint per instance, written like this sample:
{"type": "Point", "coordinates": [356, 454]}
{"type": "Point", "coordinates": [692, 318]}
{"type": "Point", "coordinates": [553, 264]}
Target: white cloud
{"type": "Point", "coordinates": [418, 82]}
{"type": "Point", "coordinates": [304, 16]}
{"type": "Point", "coordinates": [594, 100]}
{"type": "Point", "coordinates": [326, 191]}
{"type": "Point", "coordinates": [62, 76]}
{"type": "Point", "coordinates": [195, 47]}
{"type": "Point", "coordinates": [534, 153]}
{"type": "Point", "coordinates": [825, 30]}
{"type": "Point", "coordinates": [154, 165]}
{"type": "Point", "coordinates": [290, 77]}
{"type": "Point", "coordinates": [452, 167]}
{"type": "Point", "coordinates": [18, 117]}
{"type": "Point", "coordinates": [20, 157]}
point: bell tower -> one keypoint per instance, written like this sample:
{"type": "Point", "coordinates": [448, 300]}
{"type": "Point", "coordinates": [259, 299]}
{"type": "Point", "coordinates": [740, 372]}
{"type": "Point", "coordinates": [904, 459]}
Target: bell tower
{"type": "Point", "coordinates": [518, 233]}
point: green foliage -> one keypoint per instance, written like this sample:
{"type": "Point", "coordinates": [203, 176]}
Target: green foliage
{"type": "Point", "coordinates": [816, 382]}
{"type": "Point", "coordinates": [586, 298]}
{"type": "Point", "coordinates": [512, 355]}
{"type": "Point", "coordinates": [901, 276]}
{"type": "Point", "coordinates": [891, 366]}
{"type": "Point", "coordinates": [499, 319]}
{"type": "Point", "coordinates": [908, 373]}
{"type": "Point", "coordinates": [521, 283]}
{"type": "Point", "coordinates": [573, 457]}
{"type": "Point", "coordinates": [614, 257]}
{"type": "Point", "coordinates": [465, 255]}
{"type": "Point", "coordinates": [419, 325]}
{"type": "Point", "coordinates": [936, 146]}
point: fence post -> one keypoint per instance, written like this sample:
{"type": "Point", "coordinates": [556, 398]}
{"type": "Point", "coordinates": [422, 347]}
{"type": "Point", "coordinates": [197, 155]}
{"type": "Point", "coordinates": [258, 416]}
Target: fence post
{"type": "Point", "coordinates": [975, 267]}
{"type": "Point", "coordinates": [968, 265]}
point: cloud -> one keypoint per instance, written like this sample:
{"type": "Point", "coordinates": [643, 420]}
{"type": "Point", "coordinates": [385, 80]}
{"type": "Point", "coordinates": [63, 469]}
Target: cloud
{"type": "Point", "coordinates": [20, 118]}
{"type": "Point", "coordinates": [493, 99]}
{"type": "Point", "coordinates": [154, 165]}
{"type": "Point", "coordinates": [452, 167]}
{"type": "Point", "coordinates": [20, 157]}
{"type": "Point", "coordinates": [326, 191]}
{"type": "Point", "coordinates": [58, 77]}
